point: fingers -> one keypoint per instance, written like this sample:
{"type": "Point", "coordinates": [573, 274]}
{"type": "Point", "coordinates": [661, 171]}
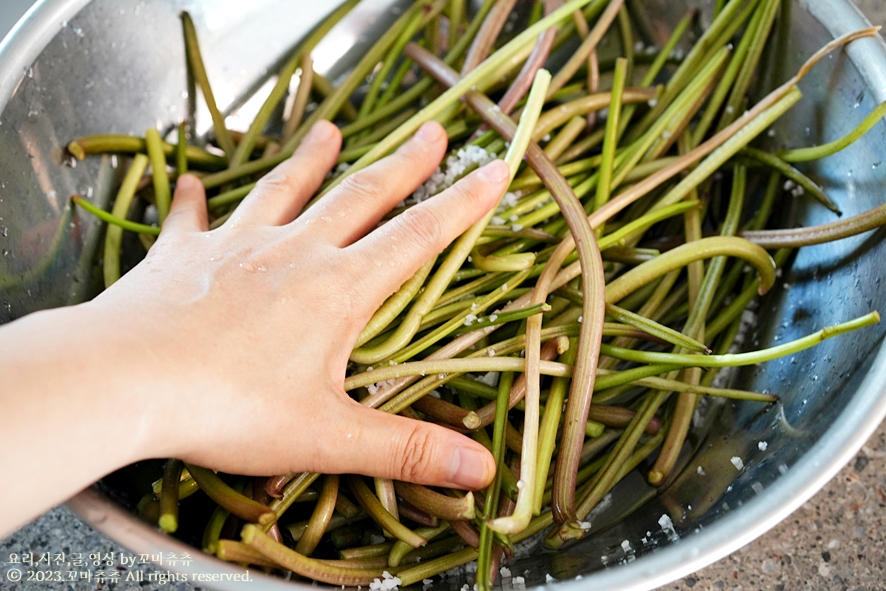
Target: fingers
{"type": "Point", "coordinates": [187, 213]}
{"type": "Point", "coordinates": [390, 446]}
{"type": "Point", "coordinates": [413, 237]}
{"type": "Point", "coordinates": [355, 206]}
{"type": "Point", "coordinates": [280, 195]}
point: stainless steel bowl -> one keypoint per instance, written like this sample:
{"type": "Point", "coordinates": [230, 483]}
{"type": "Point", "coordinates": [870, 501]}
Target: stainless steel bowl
{"type": "Point", "coordinates": [74, 67]}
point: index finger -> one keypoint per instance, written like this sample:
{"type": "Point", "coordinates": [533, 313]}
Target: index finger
{"type": "Point", "coordinates": [409, 240]}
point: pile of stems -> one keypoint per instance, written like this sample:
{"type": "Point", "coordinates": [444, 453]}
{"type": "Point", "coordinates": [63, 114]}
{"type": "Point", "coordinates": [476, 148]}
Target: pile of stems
{"type": "Point", "coordinates": [573, 330]}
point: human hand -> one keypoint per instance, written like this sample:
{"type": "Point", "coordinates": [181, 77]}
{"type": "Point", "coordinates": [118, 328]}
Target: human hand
{"type": "Point", "coordinates": [240, 336]}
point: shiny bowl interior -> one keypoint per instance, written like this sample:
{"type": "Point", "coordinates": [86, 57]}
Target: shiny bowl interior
{"type": "Point", "coordinates": [75, 67]}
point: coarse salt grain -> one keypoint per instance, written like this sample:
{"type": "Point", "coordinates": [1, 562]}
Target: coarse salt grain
{"type": "Point", "coordinates": [549, 579]}
{"type": "Point", "coordinates": [700, 471]}
{"type": "Point", "coordinates": [736, 461]}
{"type": "Point", "coordinates": [762, 445]}
{"type": "Point", "coordinates": [386, 583]}
{"type": "Point", "coordinates": [517, 227]}
{"type": "Point", "coordinates": [505, 571]}
{"type": "Point", "coordinates": [455, 167]}
{"type": "Point", "coordinates": [665, 522]}
{"type": "Point", "coordinates": [490, 379]}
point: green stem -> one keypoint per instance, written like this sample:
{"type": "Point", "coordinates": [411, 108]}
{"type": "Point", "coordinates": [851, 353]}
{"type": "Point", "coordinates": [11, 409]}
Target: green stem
{"type": "Point", "coordinates": [198, 70]}
{"type": "Point", "coordinates": [739, 359]}
{"type": "Point", "coordinates": [381, 516]}
{"type": "Point", "coordinates": [830, 148]}
{"type": "Point", "coordinates": [474, 78]}
{"type": "Point", "coordinates": [549, 425]}
{"type": "Point", "coordinates": [216, 523]}
{"type": "Point", "coordinates": [231, 551]}
{"type": "Point", "coordinates": [434, 503]}
{"type": "Point", "coordinates": [114, 233]}
{"type": "Point", "coordinates": [162, 193]}
{"type": "Point", "coordinates": [604, 182]}
{"type": "Point", "coordinates": [758, 33]}
{"type": "Point", "coordinates": [311, 568]}
{"type": "Point", "coordinates": [247, 143]}
{"type": "Point", "coordinates": [587, 46]}
{"type": "Point", "coordinates": [302, 96]}
{"type": "Point", "coordinates": [114, 220]}
{"type": "Point", "coordinates": [320, 517]}
{"type": "Point", "coordinates": [797, 237]}
{"type": "Point", "coordinates": [682, 255]}
{"type": "Point", "coordinates": [169, 496]}
{"type": "Point", "coordinates": [181, 149]}
{"type": "Point", "coordinates": [238, 504]}
{"type": "Point", "coordinates": [786, 170]}
{"type": "Point", "coordinates": [395, 304]}
{"type": "Point", "coordinates": [127, 144]}
{"type": "Point", "coordinates": [442, 366]}
{"type": "Point", "coordinates": [655, 329]}
{"type": "Point", "coordinates": [400, 549]}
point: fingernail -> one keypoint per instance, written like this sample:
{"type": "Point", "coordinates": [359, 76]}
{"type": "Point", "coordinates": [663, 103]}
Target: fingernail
{"type": "Point", "coordinates": [469, 469]}
{"type": "Point", "coordinates": [321, 131]}
{"type": "Point", "coordinates": [187, 182]}
{"type": "Point", "coordinates": [428, 132]}
{"type": "Point", "coordinates": [495, 172]}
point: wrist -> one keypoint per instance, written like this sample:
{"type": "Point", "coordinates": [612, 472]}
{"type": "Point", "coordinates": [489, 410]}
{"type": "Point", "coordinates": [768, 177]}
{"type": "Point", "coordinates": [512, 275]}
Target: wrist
{"type": "Point", "coordinates": [78, 362]}
{"type": "Point", "coordinates": [68, 418]}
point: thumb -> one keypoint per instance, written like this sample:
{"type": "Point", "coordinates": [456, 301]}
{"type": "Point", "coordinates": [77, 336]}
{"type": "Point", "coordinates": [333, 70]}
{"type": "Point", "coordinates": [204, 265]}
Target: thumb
{"type": "Point", "coordinates": [398, 448]}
